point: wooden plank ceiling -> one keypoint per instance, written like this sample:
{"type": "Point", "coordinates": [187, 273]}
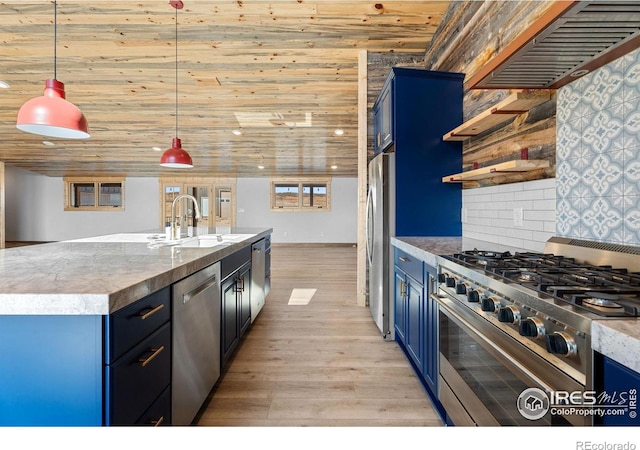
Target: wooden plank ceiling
{"type": "Point", "coordinates": [282, 71]}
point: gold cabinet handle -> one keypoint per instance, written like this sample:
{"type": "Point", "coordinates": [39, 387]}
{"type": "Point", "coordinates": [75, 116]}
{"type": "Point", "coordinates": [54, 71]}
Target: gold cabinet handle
{"type": "Point", "coordinates": [151, 312]}
{"type": "Point", "coordinates": [156, 352]}
{"type": "Point", "coordinates": [157, 423]}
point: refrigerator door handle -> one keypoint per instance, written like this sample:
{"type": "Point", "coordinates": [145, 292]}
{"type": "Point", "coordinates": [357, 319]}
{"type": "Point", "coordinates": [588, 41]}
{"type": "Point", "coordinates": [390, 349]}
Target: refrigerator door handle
{"type": "Point", "coordinates": [368, 227]}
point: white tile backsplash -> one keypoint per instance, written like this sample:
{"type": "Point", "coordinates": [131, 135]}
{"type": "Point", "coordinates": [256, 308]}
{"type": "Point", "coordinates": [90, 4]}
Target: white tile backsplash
{"type": "Point", "coordinates": [490, 213]}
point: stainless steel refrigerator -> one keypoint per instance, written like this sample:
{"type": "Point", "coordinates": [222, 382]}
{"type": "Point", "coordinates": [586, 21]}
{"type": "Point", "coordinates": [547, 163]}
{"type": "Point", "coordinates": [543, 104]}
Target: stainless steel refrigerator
{"type": "Point", "coordinates": [380, 227]}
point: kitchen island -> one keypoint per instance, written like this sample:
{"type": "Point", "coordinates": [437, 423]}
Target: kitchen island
{"type": "Point", "coordinates": [65, 309]}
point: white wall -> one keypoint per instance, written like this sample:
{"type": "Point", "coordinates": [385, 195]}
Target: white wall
{"type": "Point", "coordinates": [489, 214]}
{"type": "Point", "coordinates": [336, 226]}
{"type": "Point", "coordinates": [35, 211]}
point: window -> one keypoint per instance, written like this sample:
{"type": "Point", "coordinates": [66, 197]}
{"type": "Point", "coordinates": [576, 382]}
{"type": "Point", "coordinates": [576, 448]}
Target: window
{"type": "Point", "coordinates": [300, 195]}
{"type": "Point", "coordinates": [99, 194]}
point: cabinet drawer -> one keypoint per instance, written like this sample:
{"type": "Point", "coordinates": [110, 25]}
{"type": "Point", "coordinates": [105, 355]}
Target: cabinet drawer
{"type": "Point", "coordinates": [137, 379]}
{"type": "Point", "coordinates": [160, 412]}
{"type": "Point", "coordinates": [128, 326]}
{"type": "Point", "coordinates": [230, 264]}
{"type": "Point", "coordinates": [410, 265]}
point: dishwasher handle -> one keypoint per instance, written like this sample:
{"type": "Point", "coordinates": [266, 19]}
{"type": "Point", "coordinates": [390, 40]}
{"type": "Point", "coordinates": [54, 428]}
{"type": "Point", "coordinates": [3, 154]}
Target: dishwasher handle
{"type": "Point", "coordinates": [203, 287]}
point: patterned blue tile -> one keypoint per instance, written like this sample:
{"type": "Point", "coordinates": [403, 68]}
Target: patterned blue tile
{"type": "Point", "coordinates": [603, 133]}
{"type": "Point", "coordinates": [603, 176]}
{"type": "Point", "coordinates": [568, 140]}
{"type": "Point", "coordinates": [602, 220]}
{"type": "Point", "coordinates": [631, 123]}
{"type": "Point", "coordinates": [632, 221]}
{"type": "Point", "coordinates": [604, 90]}
{"type": "Point", "coordinates": [568, 105]}
{"type": "Point", "coordinates": [632, 75]}
{"type": "Point", "coordinates": [567, 219]}
{"type": "Point", "coordinates": [632, 172]}
{"type": "Point", "coordinates": [568, 178]}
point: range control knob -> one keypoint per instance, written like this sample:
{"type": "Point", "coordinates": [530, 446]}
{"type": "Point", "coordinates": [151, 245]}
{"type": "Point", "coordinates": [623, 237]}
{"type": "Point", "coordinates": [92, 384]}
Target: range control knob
{"type": "Point", "coordinates": [450, 282]}
{"type": "Point", "coordinates": [489, 304]}
{"type": "Point", "coordinates": [461, 288]}
{"type": "Point", "coordinates": [561, 343]}
{"type": "Point", "coordinates": [473, 296]}
{"type": "Point", "coordinates": [532, 327]}
{"type": "Point", "coordinates": [509, 314]}
{"type": "Point", "coordinates": [442, 278]}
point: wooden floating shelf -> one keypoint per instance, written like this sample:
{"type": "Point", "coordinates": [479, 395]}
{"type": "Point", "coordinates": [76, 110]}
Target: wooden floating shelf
{"type": "Point", "coordinates": [518, 165]}
{"type": "Point", "coordinates": [516, 104]}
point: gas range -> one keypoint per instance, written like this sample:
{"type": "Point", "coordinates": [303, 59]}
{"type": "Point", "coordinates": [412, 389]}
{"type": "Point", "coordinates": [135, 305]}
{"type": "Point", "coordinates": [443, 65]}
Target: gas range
{"type": "Point", "coordinates": [547, 300]}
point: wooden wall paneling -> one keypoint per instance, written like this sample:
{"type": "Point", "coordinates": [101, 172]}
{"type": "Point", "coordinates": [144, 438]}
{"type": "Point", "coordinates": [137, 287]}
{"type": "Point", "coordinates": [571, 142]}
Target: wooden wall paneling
{"type": "Point", "coordinates": [2, 237]}
{"type": "Point", "coordinates": [361, 260]}
{"type": "Point", "coordinates": [470, 35]}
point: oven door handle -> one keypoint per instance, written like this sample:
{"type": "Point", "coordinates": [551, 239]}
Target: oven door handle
{"type": "Point", "coordinates": [487, 343]}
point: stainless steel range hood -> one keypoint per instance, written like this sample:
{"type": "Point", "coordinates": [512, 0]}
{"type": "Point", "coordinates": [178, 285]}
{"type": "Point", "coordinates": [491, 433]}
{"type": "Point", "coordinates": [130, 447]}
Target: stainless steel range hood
{"type": "Point", "coordinates": [570, 40]}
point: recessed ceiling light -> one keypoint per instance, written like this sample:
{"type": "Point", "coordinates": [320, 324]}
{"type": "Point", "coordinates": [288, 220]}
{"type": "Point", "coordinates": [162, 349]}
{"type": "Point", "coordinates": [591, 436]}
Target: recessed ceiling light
{"type": "Point", "coordinates": [157, 149]}
{"type": "Point", "coordinates": [260, 167]}
{"type": "Point", "coordinates": [4, 85]}
{"type": "Point", "coordinates": [49, 143]}
{"type": "Point", "coordinates": [579, 73]}
{"type": "Point", "coordinates": [334, 167]}
{"type": "Point", "coordinates": [237, 132]}
{"type": "Point", "coordinates": [339, 132]}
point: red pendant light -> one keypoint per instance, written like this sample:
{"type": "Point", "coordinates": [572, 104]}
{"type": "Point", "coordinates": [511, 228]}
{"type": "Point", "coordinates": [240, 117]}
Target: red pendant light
{"type": "Point", "coordinates": [176, 157]}
{"type": "Point", "coordinates": [51, 114]}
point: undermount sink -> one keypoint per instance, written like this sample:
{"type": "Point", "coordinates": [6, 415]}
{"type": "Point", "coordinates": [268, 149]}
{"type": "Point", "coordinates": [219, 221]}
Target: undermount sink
{"type": "Point", "coordinates": [160, 240]}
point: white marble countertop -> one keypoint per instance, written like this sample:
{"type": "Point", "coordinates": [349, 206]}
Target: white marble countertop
{"type": "Point", "coordinates": [619, 339]}
{"type": "Point", "coordinates": [97, 278]}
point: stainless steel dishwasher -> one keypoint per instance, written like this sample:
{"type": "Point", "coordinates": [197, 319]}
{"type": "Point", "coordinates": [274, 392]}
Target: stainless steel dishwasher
{"type": "Point", "coordinates": [257, 293]}
{"type": "Point", "coordinates": [196, 342]}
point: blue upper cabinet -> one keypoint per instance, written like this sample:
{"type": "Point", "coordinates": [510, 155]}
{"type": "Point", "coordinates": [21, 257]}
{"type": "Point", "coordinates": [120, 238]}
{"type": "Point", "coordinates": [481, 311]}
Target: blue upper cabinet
{"type": "Point", "coordinates": [415, 108]}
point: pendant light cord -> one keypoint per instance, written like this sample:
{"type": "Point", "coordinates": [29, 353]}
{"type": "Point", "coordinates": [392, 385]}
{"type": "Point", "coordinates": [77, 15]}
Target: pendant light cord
{"type": "Point", "coordinates": [176, 72]}
{"type": "Point", "coordinates": [55, 38]}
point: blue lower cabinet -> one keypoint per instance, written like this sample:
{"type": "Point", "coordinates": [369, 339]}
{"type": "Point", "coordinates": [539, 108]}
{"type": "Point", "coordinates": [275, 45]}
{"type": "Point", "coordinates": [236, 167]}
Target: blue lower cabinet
{"type": "Point", "coordinates": [619, 386]}
{"type": "Point", "coordinates": [87, 370]}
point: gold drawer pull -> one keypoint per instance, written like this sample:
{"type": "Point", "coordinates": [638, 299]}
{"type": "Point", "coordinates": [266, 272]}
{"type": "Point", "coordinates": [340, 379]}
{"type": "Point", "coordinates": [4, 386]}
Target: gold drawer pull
{"type": "Point", "coordinates": [157, 423]}
{"type": "Point", "coordinates": [156, 352]}
{"type": "Point", "coordinates": [403, 259]}
{"type": "Point", "coordinates": [153, 311]}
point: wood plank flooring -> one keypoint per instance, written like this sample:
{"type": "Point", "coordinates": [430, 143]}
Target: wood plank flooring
{"type": "Point", "coordinates": [321, 364]}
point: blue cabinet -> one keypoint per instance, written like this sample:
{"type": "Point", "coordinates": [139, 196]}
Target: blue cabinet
{"type": "Point", "coordinates": [65, 370]}
{"type": "Point", "coordinates": [414, 109]}
{"type": "Point", "coordinates": [416, 318]}
{"type": "Point", "coordinates": [617, 385]}
{"type": "Point", "coordinates": [409, 305]}
{"type": "Point", "coordinates": [383, 118]}
{"type": "Point", "coordinates": [236, 301]}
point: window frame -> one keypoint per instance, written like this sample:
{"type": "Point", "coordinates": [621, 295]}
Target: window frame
{"type": "Point", "coordinates": [301, 183]}
{"type": "Point", "coordinates": [97, 182]}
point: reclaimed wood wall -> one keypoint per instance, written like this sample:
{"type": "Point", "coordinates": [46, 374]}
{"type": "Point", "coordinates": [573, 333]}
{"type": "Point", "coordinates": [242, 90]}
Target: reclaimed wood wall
{"type": "Point", "coordinates": [470, 35]}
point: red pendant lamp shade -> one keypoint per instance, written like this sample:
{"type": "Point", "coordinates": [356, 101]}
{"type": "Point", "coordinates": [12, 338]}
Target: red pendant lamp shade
{"type": "Point", "coordinates": [52, 115]}
{"type": "Point", "coordinates": [176, 157]}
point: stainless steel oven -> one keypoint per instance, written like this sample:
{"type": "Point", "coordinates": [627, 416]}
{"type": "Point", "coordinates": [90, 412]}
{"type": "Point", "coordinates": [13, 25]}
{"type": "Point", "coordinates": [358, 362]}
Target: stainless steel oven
{"type": "Point", "coordinates": [484, 371]}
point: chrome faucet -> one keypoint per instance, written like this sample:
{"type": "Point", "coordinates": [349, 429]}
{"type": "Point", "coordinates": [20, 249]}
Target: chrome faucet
{"type": "Point", "coordinates": [175, 220]}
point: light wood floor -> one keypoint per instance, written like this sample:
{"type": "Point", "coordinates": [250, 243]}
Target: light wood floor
{"type": "Point", "coordinates": [323, 364]}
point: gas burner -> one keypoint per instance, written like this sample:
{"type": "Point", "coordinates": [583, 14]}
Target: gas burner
{"type": "Point", "coordinates": [602, 300]}
{"type": "Point", "coordinates": [527, 277]}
